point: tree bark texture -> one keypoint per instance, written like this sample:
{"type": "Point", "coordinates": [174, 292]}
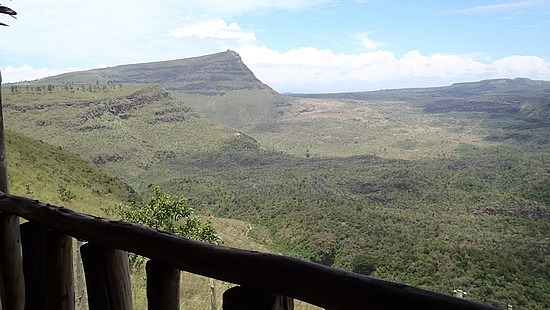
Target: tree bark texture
{"type": "Point", "coordinates": [163, 286]}
{"type": "Point", "coordinates": [247, 298]}
{"type": "Point", "coordinates": [107, 277]}
{"type": "Point", "coordinates": [11, 264]}
{"type": "Point", "coordinates": [48, 268]}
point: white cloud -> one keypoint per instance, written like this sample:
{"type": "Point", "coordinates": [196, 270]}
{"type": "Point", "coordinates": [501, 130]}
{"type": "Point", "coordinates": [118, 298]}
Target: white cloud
{"type": "Point", "coordinates": [494, 8]}
{"type": "Point", "coordinates": [61, 33]}
{"type": "Point", "coordinates": [28, 73]}
{"type": "Point", "coordinates": [523, 66]}
{"type": "Point", "coordinates": [215, 29]}
{"type": "Point", "coordinates": [308, 69]}
{"type": "Point", "coordinates": [366, 42]}
{"type": "Point", "coordinates": [79, 32]}
{"type": "Point", "coordinates": [245, 6]}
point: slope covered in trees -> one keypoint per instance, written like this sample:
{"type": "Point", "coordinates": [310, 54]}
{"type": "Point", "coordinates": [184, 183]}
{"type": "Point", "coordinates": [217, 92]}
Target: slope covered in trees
{"type": "Point", "coordinates": [443, 188]}
{"type": "Point", "coordinates": [476, 222]}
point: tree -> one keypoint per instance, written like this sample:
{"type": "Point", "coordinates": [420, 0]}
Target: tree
{"type": "Point", "coordinates": [7, 11]}
{"type": "Point", "coordinates": [167, 213]}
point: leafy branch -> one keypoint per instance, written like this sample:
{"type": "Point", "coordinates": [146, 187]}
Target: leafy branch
{"type": "Point", "coordinates": [167, 213]}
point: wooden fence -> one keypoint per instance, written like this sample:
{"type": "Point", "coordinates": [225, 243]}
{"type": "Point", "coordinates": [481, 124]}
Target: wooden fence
{"type": "Point", "coordinates": [266, 281]}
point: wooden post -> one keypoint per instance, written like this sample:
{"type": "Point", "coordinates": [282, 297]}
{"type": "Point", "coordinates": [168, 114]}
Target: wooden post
{"type": "Point", "coordinates": [163, 286]}
{"type": "Point", "coordinates": [80, 290]}
{"type": "Point", "coordinates": [12, 292]}
{"type": "Point", "coordinates": [247, 298]}
{"type": "Point", "coordinates": [107, 278]}
{"type": "Point", "coordinates": [48, 268]}
{"type": "Point", "coordinates": [12, 288]}
{"type": "Point", "coordinates": [213, 304]}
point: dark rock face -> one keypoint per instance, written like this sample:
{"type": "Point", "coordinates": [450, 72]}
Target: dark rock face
{"type": "Point", "coordinates": [222, 71]}
{"type": "Point", "coordinates": [445, 106]}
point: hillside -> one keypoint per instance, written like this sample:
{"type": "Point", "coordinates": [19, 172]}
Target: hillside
{"type": "Point", "coordinates": [437, 199]}
{"type": "Point", "coordinates": [51, 174]}
{"type": "Point", "coordinates": [439, 188]}
{"type": "Point", "coordinates": [476, 222]}
{"type": "Point", "coordinates": [413, 123]}
{"type": "Point", "coordinates": [121, 128]}
{"type": "Point", "coordinates": [219, 87]}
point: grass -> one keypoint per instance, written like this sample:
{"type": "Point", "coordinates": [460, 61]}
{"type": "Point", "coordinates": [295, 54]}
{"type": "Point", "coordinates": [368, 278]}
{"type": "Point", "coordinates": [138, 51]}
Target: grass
{"type": "Point", "coordinates": [443, 188]}
{"type": "Point", "coordinates": [391, 129]}
{"type": "Point", "coordinates": [123, 129]}
{"type": "Point", "coordinates": [53, 175]}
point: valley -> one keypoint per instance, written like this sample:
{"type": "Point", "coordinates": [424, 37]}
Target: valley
{"type": "Point", "coordinates": [412, 123]}
{"type": "Point", "coordinates": [441, 188]}
{"type": "Point", "coordinates": [345, 127]}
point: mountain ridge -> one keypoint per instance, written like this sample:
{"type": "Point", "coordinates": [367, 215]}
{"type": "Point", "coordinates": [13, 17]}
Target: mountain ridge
{"type": "Point", "coordinates": [219, 86]}
{"type": "Point", "coordinates": [515, 85]}
{"type": "Point", "coordinates": [223, 89]}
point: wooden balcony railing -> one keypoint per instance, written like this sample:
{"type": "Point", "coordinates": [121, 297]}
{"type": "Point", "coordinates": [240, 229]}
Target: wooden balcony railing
{"type": "Point", "coordinates": [267, 281]}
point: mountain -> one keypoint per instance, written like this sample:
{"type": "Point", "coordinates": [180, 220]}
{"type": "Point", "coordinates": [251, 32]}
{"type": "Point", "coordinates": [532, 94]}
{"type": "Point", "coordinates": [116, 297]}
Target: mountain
{"type": "Point", "coordinates": [526, 97]}
{"type": "Point", "coordinates": [122, 128]}
{"type": "Point", "coordinates": [219, 87]}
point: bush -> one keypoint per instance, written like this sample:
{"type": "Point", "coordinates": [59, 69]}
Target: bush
{"type": "Point", "coordinates": [64, 193]}
{"type": "Point", "coordinates": [166, 213]}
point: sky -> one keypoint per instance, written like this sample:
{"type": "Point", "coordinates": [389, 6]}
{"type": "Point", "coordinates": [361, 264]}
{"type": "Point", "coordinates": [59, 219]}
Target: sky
{"type": "Point", "coordinates": [304, 46]}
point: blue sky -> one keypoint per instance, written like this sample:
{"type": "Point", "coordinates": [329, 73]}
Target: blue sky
{"type": "Point", "coordinates": [293, 46]}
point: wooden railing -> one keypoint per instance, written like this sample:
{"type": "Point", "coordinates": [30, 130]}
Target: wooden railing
{"type": "Point", "coordinates": [267, 281]}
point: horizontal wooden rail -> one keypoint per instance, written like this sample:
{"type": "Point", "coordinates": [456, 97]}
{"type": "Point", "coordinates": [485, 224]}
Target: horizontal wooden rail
{"type": "Point", "coordinates": [317, 284]}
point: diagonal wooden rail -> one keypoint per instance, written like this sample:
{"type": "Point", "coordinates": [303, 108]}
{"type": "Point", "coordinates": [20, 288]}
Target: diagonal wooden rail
{"type": "Point", "coordinates": [317, 284]}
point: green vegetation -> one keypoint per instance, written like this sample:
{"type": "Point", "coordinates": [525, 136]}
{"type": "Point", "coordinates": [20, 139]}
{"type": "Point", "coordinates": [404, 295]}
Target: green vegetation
{"type": "Point", "coordinates": [476, 222]}
{"type": "Point", "coordinates": [166, 213]}
{"type": "Point", "coordinates": [55, 175]}
{"type": "Point", "coordinates": [121, 128]}
{"type": "Point", "coordinates": [51, 174]}
{"type": "Point", "coordinates": [442, 188]}
{"type": "Point", "coordinates": [412, 123]}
